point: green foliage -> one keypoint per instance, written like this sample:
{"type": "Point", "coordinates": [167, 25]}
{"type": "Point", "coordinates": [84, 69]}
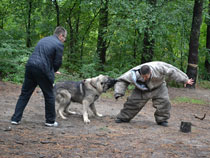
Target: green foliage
{"type": "Point", "coordinates": [174, 84]}
{"type": "Point", "coordinates": [13, 57]}
{"type": "Point", "coordinates": [204, 84]}
{"type": "Point", "coordinates": [188, 100]}
{"type": "Point", "coordinates": [169, 24]}
{"type": "Point", "coordinates": [65, 76]}
{"type": "Point", "coordinates": [89, 70]}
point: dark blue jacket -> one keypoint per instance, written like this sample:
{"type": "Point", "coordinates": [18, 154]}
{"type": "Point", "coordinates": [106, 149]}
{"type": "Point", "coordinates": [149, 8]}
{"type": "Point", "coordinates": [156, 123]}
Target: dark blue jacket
{"type": "Point", "coordinates": [47, 56]}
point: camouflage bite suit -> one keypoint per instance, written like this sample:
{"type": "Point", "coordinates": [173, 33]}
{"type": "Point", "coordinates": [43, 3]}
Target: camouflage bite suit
{"type": "Point", "coordinates": [157, 91]}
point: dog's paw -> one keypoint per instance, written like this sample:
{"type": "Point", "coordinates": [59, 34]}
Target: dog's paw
{"type": "Point", "coordinates": [99, 115]}
{"type": "Point", "coordinates": [63, 117]}
{"type": "Point", "coordinates": [86, 121]}
{"type": "Point", "coordinates": [72, 112]}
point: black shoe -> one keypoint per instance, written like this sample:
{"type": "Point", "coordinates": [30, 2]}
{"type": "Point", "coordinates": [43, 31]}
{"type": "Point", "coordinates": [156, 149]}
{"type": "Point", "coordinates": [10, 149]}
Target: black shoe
{"type": "Point", "coordinates": [164, 123]}
{"type": "Point", "coordinates": [117, 120]}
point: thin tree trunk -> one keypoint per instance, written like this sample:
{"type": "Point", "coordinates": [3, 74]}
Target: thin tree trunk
{"type": "Point", "coordinates": [71, 34]}
{"type": "Point", "coordinates": [2, 23]}
{"type": "Point", "coordinates": [86, 31]}
{"type": "Point", "coordinates": [194, 41]}
{"type": "Point", "coordinates": [28, 27]}
{"type": "Point", "coordinates": [57, 12]}
{"type": "Point", "coordinates": [148, 49]}
{"type": "Point", "coordinates": [103, 23]}
{"type": "Point", "coordinates": [149, 41]}
{"type": "Point", "coordinates": [207, 60]}
{"type": "Point", "coordinates": [135, 43]}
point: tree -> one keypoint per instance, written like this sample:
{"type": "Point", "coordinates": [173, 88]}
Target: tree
{"type": "Point", "coordinates": [73, 23]}
{"type": "Point", "coordinates": [4, 11]}
{"type": "Point", "coordinates": [57, 12]}
{"type": "Point", "coordinates": [149, 41]}
{"type": "Point", "coordinates": [102, 30]}
{"type": "Point", "coordinates": [207, 60]}
{"type": "Point", "coordinates": [28, 25]}
{"type": "Point", "coordinates": [194, 41]}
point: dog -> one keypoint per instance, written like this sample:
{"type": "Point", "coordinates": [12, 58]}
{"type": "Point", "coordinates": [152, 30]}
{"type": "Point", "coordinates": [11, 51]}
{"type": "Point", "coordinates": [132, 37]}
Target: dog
{"type": "Point", "coordinates": [85, 92]}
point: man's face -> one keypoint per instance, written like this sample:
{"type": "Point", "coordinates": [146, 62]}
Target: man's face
{"type": "Point", "coordinates": [62, 37]}
{"type": "Point", "coordinates": [146, 77]}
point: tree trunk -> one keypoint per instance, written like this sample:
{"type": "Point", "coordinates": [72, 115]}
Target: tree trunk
{"type": "Point", "coordinates": [135, 43]}
{"type": "Point", "coordinates": [149, 41]}
{"type": "Point", "coordinates": [58, 12]}
{"type": "Point", "coordinates": [2, 23]}
{"type": "Point", "coordinates": [86, 32]}
{"type": "Point", "coordinates": [207, 60]}
{"type": "Point", "coordinates": [148, 48]}
{"type": "Point", "coordinates": [103, 23]}
{"type": "Point", "coordinates": [71, 34]}
{"type": "Point", "coordinates": [194, 41]}
{"type": "Point", "coordinates": [28, 27]}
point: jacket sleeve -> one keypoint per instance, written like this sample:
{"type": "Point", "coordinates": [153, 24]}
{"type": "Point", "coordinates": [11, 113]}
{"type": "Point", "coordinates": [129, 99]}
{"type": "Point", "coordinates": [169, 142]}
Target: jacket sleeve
{"type": "Point", "coordinates": [124, 80]}
{"type": "Point", "coordinates": [122, 83]}
{"type": "Point", "coordinates": [120, 88]}
{"type": "Point", "coordinates": [174, 73]}
{"type": "Point", "coordinates": [58, 57]}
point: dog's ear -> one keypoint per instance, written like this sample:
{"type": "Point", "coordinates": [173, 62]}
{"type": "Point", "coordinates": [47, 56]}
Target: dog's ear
{"type": "Point", "coordinates": [87, 80]}
{"type": "Point", "coordinates": [94, 80]}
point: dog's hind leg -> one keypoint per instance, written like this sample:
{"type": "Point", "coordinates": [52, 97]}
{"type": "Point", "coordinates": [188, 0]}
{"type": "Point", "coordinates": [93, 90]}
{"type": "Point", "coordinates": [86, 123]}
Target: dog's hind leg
{"type": "Point", "coordinates": [62, 101]}
{"type": "Point", "coordinates": [72, 112]}
{"type": "Point", "coordinates": [59, 111]}
{"type": "Point", "coordinates": [67, 110]}
{"type": "Point", "coordinates": [93, 108]}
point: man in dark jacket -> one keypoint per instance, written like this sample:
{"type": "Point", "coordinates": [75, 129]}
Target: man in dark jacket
{"type": "Point", "coordinates": [40, 68]}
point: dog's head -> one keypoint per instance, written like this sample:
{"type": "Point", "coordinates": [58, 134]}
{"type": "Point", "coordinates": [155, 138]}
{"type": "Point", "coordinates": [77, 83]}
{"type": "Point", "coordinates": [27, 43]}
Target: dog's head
{"type": "Point", "coordinates": [102, 83]}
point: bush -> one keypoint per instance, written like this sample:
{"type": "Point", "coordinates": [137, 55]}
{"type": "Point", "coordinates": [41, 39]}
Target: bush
{"type": "Point", "coordinates": [204, 84]}
{"type": "Point", "coordinates": [13, 58]}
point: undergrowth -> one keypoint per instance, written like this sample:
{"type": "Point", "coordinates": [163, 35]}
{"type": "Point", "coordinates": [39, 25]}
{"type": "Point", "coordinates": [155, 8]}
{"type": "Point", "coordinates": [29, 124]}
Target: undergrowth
{"type": "Point", "coordinates": [188, 100]}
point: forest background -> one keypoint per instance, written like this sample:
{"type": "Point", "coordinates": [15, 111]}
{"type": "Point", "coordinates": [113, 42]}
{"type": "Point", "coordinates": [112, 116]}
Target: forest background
{"type": "Point", "coordinates": [108, 36]}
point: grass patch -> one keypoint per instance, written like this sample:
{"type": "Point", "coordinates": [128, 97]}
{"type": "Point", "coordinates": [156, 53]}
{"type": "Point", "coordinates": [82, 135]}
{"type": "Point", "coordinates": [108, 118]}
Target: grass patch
{"type": "Point", "coordinates": [103, 129]}
{"type": "Point", "coordinates": [109, 94]}
{"type": "Point", "coordinates": [188, 100]}
{"type": "Point", "coordinates": [204, 84]}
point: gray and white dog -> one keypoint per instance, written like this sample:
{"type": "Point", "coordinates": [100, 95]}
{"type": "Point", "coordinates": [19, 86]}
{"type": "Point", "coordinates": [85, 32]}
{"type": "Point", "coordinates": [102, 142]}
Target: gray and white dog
{"type": "Point", "coordinates": [85, 92]}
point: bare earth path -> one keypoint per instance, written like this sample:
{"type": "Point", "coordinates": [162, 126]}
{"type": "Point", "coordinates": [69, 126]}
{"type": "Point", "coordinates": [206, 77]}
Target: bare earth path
{"type": "Point", "coordinates": [141, 138]}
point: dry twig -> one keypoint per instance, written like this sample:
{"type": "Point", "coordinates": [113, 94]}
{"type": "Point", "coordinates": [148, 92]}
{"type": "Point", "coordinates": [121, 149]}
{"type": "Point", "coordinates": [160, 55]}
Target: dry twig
{"type": "Point", "coordinates": [200, 118]}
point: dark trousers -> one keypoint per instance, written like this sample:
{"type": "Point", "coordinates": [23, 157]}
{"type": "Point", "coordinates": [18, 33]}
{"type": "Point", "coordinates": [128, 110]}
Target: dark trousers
{"type": "Point", "coordinates": [34, 77]}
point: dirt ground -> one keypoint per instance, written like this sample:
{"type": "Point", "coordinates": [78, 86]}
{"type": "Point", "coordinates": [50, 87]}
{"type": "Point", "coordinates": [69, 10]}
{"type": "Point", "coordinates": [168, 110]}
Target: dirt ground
{"type": "Point", "coordinates": [141, 138]}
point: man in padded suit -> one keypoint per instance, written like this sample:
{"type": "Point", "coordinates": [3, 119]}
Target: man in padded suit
{"type": "Point", "coordinates": [149, 81]}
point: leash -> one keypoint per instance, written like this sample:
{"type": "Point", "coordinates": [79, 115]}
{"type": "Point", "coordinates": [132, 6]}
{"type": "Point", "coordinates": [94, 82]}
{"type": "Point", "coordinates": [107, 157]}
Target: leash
{"type": "Point", "coordinates": [62, 74]}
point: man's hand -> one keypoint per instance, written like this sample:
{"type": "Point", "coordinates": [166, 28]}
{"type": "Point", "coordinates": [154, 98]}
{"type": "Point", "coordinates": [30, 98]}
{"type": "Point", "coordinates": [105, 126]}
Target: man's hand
{"type": "Point", "coordinates": [190, 82]}
{"type": "Point", "coordinates": [58, 72]}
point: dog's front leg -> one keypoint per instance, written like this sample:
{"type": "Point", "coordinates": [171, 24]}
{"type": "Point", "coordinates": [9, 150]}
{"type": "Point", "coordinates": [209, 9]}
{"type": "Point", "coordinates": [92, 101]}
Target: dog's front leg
{"type": "Point", "coordinates": [93, 108]}
{"type": "Point", "coordinates": [85, 111]}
